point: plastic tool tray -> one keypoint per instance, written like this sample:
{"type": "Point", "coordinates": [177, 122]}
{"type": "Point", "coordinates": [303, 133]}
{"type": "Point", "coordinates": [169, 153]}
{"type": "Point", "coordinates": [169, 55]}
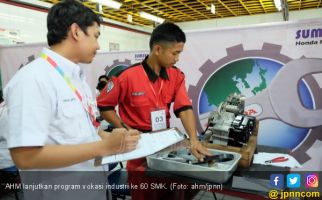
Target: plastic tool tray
{"type": "Point", "coordinates": [217, 168]}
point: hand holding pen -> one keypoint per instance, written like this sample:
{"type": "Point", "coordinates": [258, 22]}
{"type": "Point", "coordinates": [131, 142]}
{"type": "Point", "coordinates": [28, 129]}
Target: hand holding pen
{"type": "Point", "coordinates": [131, 138]}
{"type": "Point", "coordinates": [124, 126]}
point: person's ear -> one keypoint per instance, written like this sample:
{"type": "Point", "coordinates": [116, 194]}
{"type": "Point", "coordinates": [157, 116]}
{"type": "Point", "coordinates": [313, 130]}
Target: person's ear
{"type": "Point", "coordinates": [75, 31]}
{"type": "Point", "coordinates": [157, 49]}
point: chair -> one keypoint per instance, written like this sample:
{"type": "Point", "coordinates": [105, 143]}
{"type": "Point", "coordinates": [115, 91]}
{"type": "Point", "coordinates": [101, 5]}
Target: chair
{"type": "Point", "coordinates": [118, 177]}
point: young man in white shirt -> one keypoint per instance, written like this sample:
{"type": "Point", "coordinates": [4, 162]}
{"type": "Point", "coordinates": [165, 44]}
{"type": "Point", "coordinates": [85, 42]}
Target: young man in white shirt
{"type": "Point", "coordinates": [8, 171]}
{"type": "Point", "coordinates": [5, 159]}
{"type": "Point", "coordinates": [51, 110]}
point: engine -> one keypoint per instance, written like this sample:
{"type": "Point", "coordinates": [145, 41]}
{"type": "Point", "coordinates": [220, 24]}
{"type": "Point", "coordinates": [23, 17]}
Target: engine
{"type": "Point", "coordinates": [228, 125]}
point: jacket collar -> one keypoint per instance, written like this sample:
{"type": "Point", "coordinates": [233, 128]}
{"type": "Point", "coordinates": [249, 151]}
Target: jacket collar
{"type": "Point", "coordinates": [151, 74]}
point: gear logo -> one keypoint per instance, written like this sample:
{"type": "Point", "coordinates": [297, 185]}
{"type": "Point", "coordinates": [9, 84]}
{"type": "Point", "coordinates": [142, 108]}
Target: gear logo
{"type": "Point", "coordinates": [250, 72]}
{"type": "Point", "coordinates": [116, 68]}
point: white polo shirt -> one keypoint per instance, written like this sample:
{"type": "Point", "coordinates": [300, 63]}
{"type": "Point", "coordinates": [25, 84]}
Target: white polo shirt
{"type": "Point", "coordinates": [43, 110]}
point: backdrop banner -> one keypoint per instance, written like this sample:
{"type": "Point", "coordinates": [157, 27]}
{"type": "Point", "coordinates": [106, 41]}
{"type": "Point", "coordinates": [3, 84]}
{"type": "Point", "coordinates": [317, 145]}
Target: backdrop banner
{"type": "Point", "coordinates": [278, 67]}
{"type": "Point", "coordinates": [269, 65]}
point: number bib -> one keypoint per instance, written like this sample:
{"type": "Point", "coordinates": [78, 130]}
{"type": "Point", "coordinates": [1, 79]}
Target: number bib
{"type": "Point", "coordinates": [158, 120]}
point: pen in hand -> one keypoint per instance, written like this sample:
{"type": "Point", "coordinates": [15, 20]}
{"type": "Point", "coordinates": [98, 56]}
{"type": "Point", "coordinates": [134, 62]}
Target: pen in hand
{"type": "Point", "coordinates": [132, 132]}
{"type": "Point", "coordinates": [124, 126]}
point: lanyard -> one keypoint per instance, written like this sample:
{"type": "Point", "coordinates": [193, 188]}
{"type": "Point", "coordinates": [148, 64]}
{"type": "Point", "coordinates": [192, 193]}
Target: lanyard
{"type": "Point", "coordinates": [60, 71]}
{"type": "Point", "coordinates": [152, 88]}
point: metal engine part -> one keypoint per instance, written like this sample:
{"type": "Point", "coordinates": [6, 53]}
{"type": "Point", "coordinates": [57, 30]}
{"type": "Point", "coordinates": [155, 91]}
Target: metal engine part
{"type": "Point", "coordinates": [228, 125]}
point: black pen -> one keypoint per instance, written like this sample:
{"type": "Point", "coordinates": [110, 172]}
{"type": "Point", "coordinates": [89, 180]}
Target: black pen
{"type": "Point", "coordinates": [124, 126]}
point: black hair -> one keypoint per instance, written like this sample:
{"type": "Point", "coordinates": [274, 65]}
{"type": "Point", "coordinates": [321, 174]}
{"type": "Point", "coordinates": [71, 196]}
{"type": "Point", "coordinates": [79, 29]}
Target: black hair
{"type": "Point", "coordinates": [62, 15]}
{"type": "Point", "coordinates": [167, 32]}
{"type": "Point", "coordinates": [102, 76]}
{"type": "Point", "coordinates": [101, 85]}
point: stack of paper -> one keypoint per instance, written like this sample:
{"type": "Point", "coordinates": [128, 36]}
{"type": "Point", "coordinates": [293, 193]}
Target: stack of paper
{"type": "Point", "coordinates": [149, 143]}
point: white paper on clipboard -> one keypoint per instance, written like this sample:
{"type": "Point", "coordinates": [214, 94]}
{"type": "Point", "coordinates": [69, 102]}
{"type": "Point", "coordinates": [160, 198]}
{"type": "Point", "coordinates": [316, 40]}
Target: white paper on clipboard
{"type": "Point", "coordinates": [149, 143]}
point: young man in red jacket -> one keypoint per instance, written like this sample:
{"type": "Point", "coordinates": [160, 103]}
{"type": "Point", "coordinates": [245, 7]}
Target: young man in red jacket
{"type": "Point", "coordinates": [145, 91]}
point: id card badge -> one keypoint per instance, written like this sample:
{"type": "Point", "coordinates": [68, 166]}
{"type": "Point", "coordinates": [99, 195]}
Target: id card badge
{"type": "Point", "coordinates": [158, 120]}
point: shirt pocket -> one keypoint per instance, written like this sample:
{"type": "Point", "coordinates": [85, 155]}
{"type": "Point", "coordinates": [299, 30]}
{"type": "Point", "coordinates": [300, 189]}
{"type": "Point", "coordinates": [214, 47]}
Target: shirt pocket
{"type": "Point", "coordinates": [71, 118]}
{"type": "Point", "coordinates": [139, 101]}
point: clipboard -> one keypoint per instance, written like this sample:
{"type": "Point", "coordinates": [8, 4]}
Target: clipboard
{"type": "Point", "coordinates": [149, 143]}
